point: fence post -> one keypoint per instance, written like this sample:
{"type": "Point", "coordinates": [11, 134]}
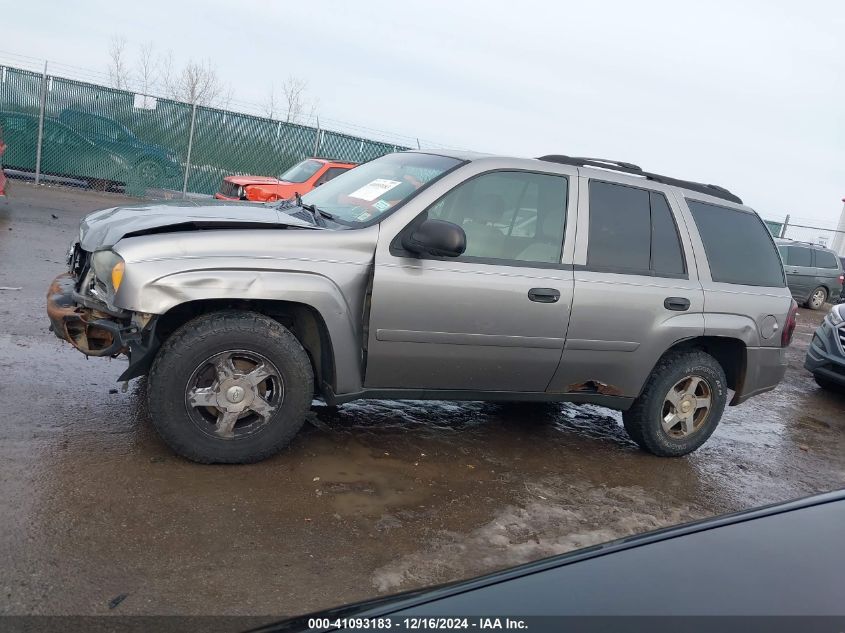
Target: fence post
{"type": "Point", "coordinates": [190, 147]}
{"type": "Point", "coordinates": [43, 102]}
{"type": "Point", "coordinates": [783, 227]}
{"type": "Point", "coordinates": [317, 140]}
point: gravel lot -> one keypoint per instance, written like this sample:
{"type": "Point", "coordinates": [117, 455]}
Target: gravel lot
{"type": "Point", "coordinates": [372, 497]}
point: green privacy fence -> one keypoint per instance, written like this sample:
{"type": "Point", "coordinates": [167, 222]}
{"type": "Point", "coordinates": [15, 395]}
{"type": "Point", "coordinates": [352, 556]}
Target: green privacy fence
{"type": "Point", "coordinates": [79, 133]}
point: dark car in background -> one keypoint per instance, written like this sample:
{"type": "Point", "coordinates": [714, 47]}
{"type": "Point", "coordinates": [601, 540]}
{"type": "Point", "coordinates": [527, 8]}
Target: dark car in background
{"type": "Point", "coordinates": [826, 355]}
{"type": "Point", "coordinates": [150, 163]}
{"type": "Point", "coordinates": [65, 153]}
{"type": "Point", "coordinates": [814, 273]}
{"type": "Point", "coordinates": [782, 560]}
{"type": "Point", "coordinates": [842, 292]}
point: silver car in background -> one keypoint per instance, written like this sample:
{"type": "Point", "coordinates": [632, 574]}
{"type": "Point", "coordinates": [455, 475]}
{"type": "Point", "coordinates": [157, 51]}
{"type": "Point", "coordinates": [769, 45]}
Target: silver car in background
{"type": "Point", "coordinates": [436, 275]}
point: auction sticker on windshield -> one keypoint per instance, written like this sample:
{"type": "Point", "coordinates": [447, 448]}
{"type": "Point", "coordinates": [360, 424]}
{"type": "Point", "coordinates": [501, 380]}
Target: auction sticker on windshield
{"type": "Point", "coordinates": [374, 189]}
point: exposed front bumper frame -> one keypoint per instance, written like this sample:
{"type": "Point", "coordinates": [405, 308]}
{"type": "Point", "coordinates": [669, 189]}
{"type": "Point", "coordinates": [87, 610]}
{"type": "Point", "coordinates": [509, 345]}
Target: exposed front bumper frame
{"type": "Point", "coordinates": [95, 332]}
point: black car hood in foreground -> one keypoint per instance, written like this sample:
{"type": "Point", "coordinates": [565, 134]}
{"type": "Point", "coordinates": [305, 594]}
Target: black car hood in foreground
{"type": "Point", "coordinates": [781, 560]}
{"type": "Point", "coordinates": [103, 229]}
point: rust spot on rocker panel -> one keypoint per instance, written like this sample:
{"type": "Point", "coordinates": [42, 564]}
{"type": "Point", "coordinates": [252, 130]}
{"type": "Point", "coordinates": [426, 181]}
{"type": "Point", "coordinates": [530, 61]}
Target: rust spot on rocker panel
{"type": "Point", "coordinates": [594, 386]}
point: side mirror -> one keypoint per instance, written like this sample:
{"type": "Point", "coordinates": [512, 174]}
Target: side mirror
{"type": "Point", "coordinates": [436, 237]}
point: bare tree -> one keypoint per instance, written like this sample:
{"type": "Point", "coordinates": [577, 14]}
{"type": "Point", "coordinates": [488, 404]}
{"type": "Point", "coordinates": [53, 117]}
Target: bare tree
{"type": "Point", "coordinates": [118, 70]}
{"type": "Point", "coordinates": [298, 107]}
{"type": "Point", "coordinates": [146, 70]}
{"type": "Point", "coordinates": [270, 104]}
{"type": "Point", "coordinates": [197, 82]}
{"type": "Point", "coordinates": [146, 67]}
{"type": "Point", "coordinates": [225, 100]}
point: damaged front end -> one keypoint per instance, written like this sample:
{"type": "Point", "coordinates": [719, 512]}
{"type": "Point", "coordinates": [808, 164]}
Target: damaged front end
{"type": "Point", "coordinates": [81, 317]}
{"type": "Point", "coordinates": [93, 332]}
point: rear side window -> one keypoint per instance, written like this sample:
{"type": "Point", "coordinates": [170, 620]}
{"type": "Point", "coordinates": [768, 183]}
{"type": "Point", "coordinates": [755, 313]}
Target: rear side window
{"type": "Point", "coordinates": [739, 247]}
{"type": "Point", "coordinates": [826, 259]}
{"type": "Point", "coordinates": [799, 256]}
{"type": "Point", "coordinates": [632, 231]}
{"type": "Point", "coordinates": [666, 256]}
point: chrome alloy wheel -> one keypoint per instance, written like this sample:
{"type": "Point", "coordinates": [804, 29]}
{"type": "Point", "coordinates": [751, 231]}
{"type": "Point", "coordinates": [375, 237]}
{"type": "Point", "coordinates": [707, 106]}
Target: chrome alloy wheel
{"type": "Point", "coordinates": [686, 406]}
{"type": "Point", "coordinates": [234, 394]}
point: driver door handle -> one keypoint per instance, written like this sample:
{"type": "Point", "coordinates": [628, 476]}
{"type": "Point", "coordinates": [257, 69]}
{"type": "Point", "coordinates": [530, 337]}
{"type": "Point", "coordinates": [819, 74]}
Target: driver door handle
{"type": "Point", "coordinates": [544, 295]}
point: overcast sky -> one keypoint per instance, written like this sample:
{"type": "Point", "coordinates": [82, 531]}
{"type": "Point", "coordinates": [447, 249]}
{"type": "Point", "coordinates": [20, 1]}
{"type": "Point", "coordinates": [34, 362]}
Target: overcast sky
{"type": "Point", "coordinates": [747, 95]}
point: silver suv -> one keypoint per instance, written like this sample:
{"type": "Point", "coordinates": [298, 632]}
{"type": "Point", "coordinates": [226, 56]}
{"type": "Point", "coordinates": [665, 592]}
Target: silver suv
{"type": "Point", "coordinates": [435, 275]}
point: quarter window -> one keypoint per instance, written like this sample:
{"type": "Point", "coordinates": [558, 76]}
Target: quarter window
{"type": "Point", "coordinates": [632, 230]}
{"type": "Point", "coordinates": [509, 215]}
{"type": "Point", "coordinates": [826, 259]}
{"type": "Point", "coordinates": [739, 247]}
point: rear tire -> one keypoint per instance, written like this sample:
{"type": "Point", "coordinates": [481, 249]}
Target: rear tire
{"type": "Point", "coordinates": [680, 405]}
{"type": "Point", "coordinates": [817, 298]}
{"type": "Point", "coordinates": [201, 395]}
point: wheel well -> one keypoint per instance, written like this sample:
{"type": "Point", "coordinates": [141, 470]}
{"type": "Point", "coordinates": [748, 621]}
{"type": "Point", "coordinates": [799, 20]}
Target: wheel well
{"type": "Point", "coordinates": [304, 322]}
{"type": "Point", "coordinates": [729, 352]}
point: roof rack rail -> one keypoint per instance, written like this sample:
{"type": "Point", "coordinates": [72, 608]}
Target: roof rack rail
{"type": "Point", "coordinates": [629, 168]}
{"type": "Point", "coordinates": [805, 242]}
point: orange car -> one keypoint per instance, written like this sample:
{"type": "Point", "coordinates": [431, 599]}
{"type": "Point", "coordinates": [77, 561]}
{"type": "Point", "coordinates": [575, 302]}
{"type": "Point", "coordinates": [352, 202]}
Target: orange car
{"type": "Point", "coordinates": [301, 178]}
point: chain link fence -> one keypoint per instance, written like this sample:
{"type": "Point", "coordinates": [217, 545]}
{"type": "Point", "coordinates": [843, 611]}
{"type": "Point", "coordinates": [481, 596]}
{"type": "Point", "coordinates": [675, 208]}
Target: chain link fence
{"type": "Point", "coordinates": [84, 134]}
{"type": "Point", "coordinates": [802, 230]}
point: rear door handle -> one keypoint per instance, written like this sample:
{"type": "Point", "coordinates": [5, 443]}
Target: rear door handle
{"type": "Point", "coordinates": [544, 295]}
{"type": "Point", "coordinates": [679, 304]}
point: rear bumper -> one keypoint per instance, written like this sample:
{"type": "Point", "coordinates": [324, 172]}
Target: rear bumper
{"type": "Point", "coordinates": [765, 368]}
{"type": "Point", "coordinates": [825, 356]}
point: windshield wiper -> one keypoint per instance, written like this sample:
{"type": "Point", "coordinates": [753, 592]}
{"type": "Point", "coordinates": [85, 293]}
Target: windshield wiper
{"type": "Point", "coordinates": [320, 217]}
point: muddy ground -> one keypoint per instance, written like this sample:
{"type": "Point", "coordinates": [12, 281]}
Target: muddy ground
{"type": "Point", "coordinates": [373, 497]}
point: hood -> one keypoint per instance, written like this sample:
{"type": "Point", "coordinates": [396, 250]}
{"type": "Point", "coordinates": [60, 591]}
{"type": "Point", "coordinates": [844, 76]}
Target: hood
{"type": "Point", "coordinates": [103, 229]}
{"type": "Point", "coordinates": [255, 180]}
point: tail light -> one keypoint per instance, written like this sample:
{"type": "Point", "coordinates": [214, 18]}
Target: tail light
{"type": "Point", "coordinates": [789, 326]}
{"type": "Point", "coordinates": [842, 279]}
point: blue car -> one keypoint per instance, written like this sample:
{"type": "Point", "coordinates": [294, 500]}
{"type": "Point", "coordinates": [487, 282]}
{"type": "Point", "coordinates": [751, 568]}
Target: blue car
{"type": "Point", "coordinates": [152, 165]}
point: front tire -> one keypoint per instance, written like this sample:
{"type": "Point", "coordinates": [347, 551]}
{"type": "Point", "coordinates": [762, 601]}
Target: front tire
{"type": "Point", "coordinates": [230, 387]}
{"type": "Point", "coordinates": [680, 405]}
{"type": "Point", "coordinates": [148, 171]}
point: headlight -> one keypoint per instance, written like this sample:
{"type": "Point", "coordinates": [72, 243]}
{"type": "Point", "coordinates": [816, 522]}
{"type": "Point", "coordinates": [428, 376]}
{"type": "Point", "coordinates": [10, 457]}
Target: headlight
{"type": "Point", "coordinates": [835, 317]}
{"type": "Point", "coordinates": [108, 269]}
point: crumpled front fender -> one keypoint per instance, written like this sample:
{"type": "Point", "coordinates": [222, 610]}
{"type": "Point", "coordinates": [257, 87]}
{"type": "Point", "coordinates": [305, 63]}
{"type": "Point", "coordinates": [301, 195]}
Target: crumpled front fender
{"type": "Point", "coordinates": [343, 321]}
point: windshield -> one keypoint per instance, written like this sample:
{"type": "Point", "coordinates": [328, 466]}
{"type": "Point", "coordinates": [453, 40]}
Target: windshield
{"type": "Point", "coordinates": [367, 192]}
{"type": "Point", "coordinates": [301, 171]}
